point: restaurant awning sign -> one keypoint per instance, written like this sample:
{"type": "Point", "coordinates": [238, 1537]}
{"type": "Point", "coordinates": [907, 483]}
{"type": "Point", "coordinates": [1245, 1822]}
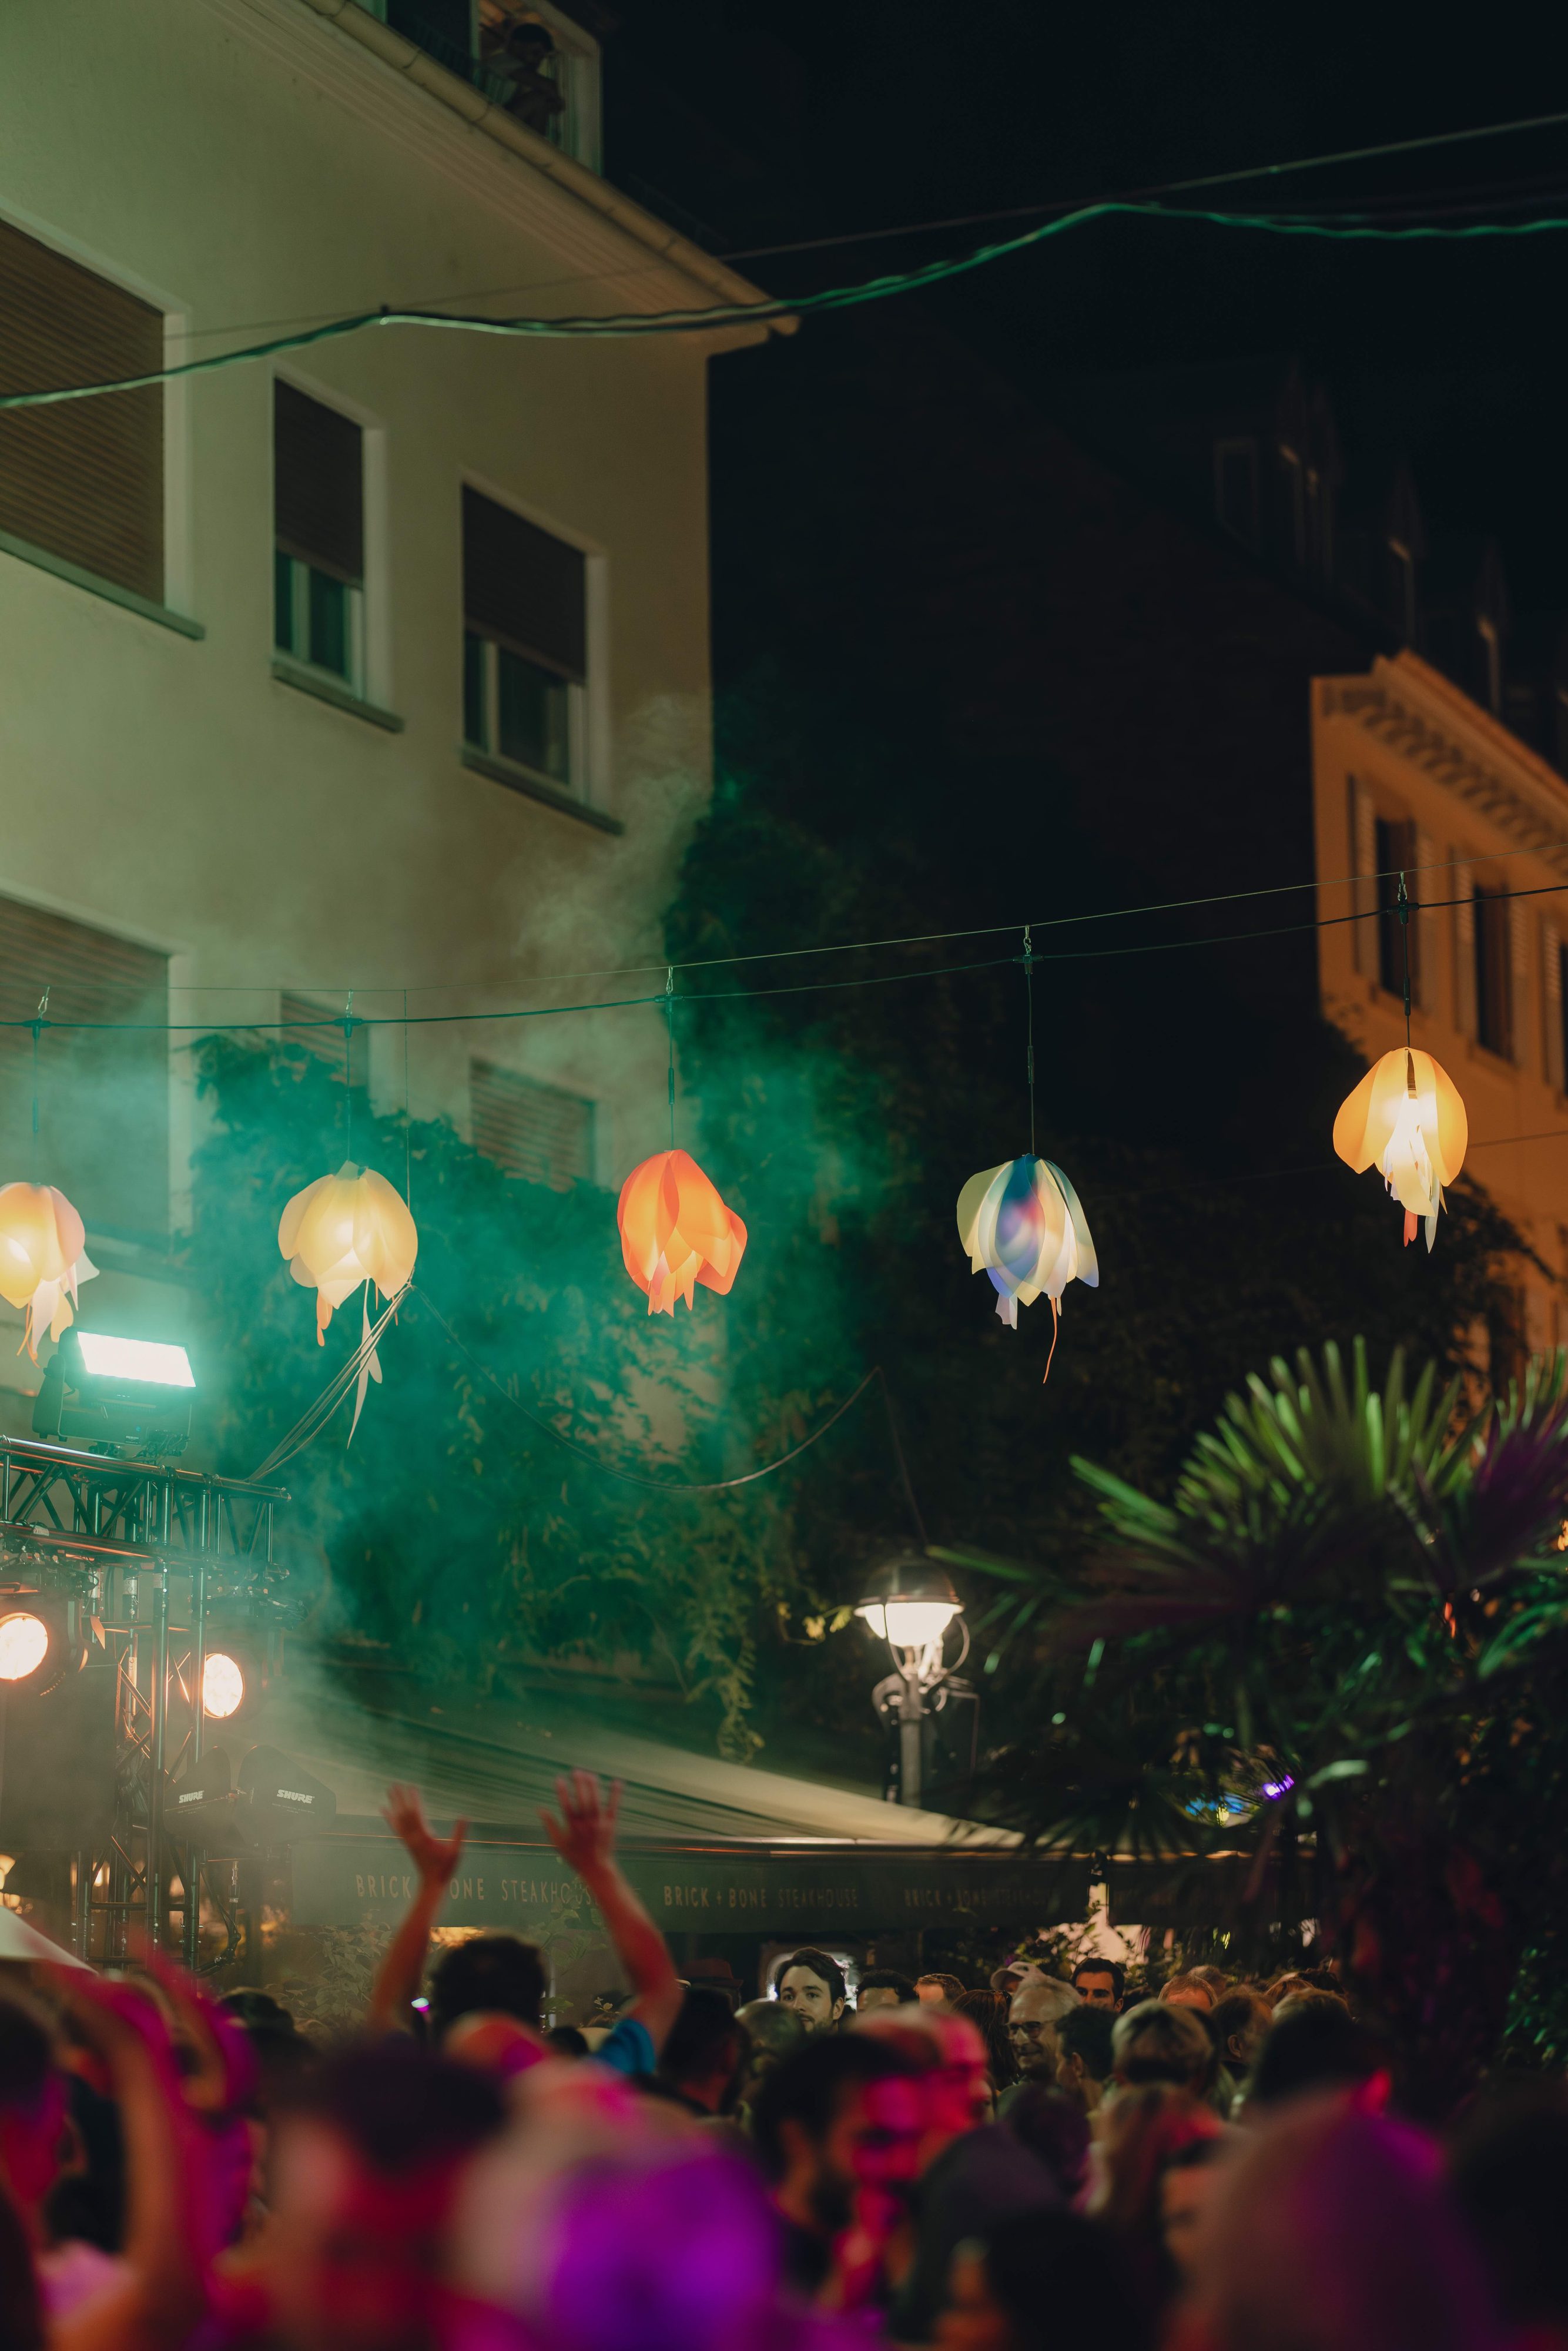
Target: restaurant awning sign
{"type": "Point", "coordinates": [348, 1880]}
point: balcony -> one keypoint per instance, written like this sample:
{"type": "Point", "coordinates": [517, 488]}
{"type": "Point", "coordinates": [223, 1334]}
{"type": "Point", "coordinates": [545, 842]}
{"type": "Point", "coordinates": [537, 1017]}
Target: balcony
{"type": "Point", "coordinates": [534, 62]}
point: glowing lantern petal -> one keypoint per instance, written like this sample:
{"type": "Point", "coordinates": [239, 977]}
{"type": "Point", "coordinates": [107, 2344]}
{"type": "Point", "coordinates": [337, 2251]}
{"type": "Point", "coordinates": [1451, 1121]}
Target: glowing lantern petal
{"type": "Point", "coordinates": [1023, 1225]}
{"type": "Point", "coordinates": [43, 1258]}
{"type": "Point", "coordinates": [675, 1231]}
{"type": "Point", "coordinates": [345, 1229]}
{"type": "Point", "coordinates": [1407, 1118]}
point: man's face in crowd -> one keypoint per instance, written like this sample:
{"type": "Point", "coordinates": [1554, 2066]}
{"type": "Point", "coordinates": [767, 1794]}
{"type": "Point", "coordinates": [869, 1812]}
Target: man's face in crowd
{"type": "Point", "coordinates": [1031, 2030]}
{"type": "Point", "coordinates": [811, 2000]}
{"type": "Point", "coordinates": [879, 1996]}
{"type": "Point", "coordinates": [873, 2143]}
{"type": "Point", "coordinates": [1096, 1987]}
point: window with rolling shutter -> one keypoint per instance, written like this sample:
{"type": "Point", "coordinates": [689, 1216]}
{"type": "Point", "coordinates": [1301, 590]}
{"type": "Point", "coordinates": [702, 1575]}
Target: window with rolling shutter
{"type": "Point", "coordinates": [319, 508]}
{"type": "Point", "coordinates": [85, 480]}
{"type": "Point", "coordinates": [103, 1092]}
{"type": "Point", "coordinates": [309, 1028]}
{"type": "Point", "coordinates": [524, 617]}
{"type": "Point", "coordinates": [542, 1133]}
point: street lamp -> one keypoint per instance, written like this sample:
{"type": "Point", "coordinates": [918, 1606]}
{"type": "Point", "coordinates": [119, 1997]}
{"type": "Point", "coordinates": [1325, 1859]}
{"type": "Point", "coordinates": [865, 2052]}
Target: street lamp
{"type": "Point", "coordinates": [910, 1605]}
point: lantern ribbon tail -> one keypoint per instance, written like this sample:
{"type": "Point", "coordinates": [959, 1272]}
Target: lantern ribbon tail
{"type": "Point", "coordinates": [1055, 1334]}
{"type": "Point", "coordinates": [370, 1361]}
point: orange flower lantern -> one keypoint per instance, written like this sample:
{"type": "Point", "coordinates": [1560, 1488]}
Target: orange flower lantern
{"type": "Point", "coordinates": [345, 1229]}
{"type": "Point", "coordinates": [1406, 1116]}
{"type": "Point", "coordinates": [43, 1258]}
{"type": "Point", "coordinates": [675, 1231]}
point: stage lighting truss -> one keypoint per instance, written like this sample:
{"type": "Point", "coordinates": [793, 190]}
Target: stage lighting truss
{"type": "Point", "coordinates": [164, 1573]}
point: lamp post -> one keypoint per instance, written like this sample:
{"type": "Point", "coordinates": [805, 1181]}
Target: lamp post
{"type": "Point", "coordinates": [910, 1605]}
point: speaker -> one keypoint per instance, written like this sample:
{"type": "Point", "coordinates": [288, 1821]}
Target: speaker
{"type": "Point", "coordinates": [56, 1763]}
{"type": "Point", "coordinates": [286, 1802]}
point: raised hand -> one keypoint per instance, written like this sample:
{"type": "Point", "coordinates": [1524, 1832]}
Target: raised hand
{"type": "Point", "coordinates": [584, 1836]}
{"type": "Point", "coordinates": [435, 1857]}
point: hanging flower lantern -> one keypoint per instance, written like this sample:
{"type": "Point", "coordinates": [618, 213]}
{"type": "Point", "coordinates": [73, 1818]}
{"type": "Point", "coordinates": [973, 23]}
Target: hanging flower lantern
{"type": "Point", "coordinates": [1024, 1226]}
{"type": "Point", "coordinates": [345, 1229]}
{"type": "Point", "coordinates": [43, 1258]}
{"type": "Point", "coordinates": [1406, 1116]}
{"type": "Point", "coordinates": [675, 1231]}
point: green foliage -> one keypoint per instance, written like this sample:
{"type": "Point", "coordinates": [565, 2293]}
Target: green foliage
{"type": "Point", "coordinates": [450, 1529]}
{"type": "Point", "coordinates": [842, 1119]}
{"type": "Point", "coordinates": [1355, 1596]}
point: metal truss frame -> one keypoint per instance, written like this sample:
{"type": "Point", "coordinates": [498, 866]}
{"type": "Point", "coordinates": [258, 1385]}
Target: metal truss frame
{"type": "Point", "coordinates": [125, 1542]}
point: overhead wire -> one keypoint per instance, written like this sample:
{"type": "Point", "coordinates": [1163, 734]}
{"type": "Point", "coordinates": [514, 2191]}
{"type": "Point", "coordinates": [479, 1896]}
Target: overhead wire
{"type": "Point", "coordinates": [405, 1020]}
{"type": "Point", "coordinates": [1146, 192]}
{"type": "Point", "coordinates": [718, 317]}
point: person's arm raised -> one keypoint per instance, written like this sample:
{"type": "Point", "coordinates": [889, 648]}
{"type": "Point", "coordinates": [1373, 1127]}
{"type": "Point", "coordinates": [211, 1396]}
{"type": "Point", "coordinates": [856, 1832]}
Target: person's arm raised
{"type": "Point", "coordinates": [584, 1837]}
{"type": "Point", "coordinates": [401, 1971]}
{"type": "Point", "coordinates": [162, 2298]}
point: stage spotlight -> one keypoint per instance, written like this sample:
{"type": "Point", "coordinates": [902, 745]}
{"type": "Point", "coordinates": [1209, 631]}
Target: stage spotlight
{"type": "Point", "coordinates": [130, 1396]}
{"type": "Point", "coordinates": [24, 1645]}
{"type": "Point", "coordinates": [222, 1687]}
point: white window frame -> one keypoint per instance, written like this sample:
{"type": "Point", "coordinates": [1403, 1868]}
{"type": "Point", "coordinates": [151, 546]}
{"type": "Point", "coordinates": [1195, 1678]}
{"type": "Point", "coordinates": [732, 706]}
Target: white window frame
{"type": "Point", "coordinates": [588, 709]}
{"type": "Point", "coordinates": [369, 609]}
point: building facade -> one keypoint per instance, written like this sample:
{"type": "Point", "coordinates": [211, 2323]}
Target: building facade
{"type": "Point", "coordinates": [378, 665]}
{"type": "Point", "coordinates": [1410, 774]}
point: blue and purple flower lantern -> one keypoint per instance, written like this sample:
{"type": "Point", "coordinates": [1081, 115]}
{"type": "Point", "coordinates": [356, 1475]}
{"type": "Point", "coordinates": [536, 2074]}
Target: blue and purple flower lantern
{"type": "Point", "coordinates": [1023, 1225]}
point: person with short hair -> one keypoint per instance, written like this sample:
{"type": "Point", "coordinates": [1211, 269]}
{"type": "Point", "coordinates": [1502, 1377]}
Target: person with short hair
{"type": "Point", "coordinates": [883, 1988]}
{"type": "Point", "coordinates": [504, 1976]}
{"type": "Point", "coordinates": [1033, 2016]}
{"type": "Point", "coordinates": [1100, 1983]}
{"type": "Point", "coordinates": [1084, 2062]}
{"type": "Point", "coordinates": [934, 1990]}
{"type": "Point", "coordinates": [703, 2059]}
{"type": "Point", "coordinates": [1313, 2045]}
{"type": "Point", "coordinates": [772, 2034]}
{"type": "Point", "coordinates": [368, 2157]}
{"type": "Point", "coordinates": [837, 2125]}
{"type": "Point", "coordinates": [988, 2013]}
{"type": "Point", "coordinates": [1188, 1991]}
{"type": "Point", "coordinates": [1161, 2041]}
{"type": "Point", "coordinates": [812, 1984]}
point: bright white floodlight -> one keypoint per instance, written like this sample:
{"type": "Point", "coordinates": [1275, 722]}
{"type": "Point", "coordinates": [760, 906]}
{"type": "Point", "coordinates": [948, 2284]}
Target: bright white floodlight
{"type": "Point", "coordinates": [24, 1645]}
{"type": "Point", "coordinates": [156, 1362]}
{"type": "Point", "coordinates": [222, 1687]}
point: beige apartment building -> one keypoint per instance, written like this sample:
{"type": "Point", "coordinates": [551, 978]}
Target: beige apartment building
{"type": "Point", "coordinates": [377, 664]}
{"type": "Point", "coordinates": [1410, 773]}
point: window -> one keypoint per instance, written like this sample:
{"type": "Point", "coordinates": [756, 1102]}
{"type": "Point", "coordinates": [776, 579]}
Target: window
{"type": "Point", "coordinates": [1395, 853]}
{"type": "Point", "coordinates": [1236, 488]}
{"type": "Point", "coordinates": [1494, 1006]}
{"type": "Point", "coordinates": [318, 520]}
{"type": "Point", "coordinates": [525, 646]}
{"type": "Point", "coordinates": [302, 1028]}
{"type": "Point", "coordinates": [542, 1133]}
{"type": "Point", "coordinates": [83, 481]}
{"type": "Point", "coordinates": [103, 1093]}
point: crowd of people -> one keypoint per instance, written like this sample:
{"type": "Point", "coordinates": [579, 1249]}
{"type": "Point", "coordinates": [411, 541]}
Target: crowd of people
{"type": "Point", "coordinates": [1033, 2161]}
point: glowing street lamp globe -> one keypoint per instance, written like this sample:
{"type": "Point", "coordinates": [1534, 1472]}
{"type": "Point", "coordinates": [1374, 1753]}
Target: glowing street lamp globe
{"type": "Point", "coordinates": [911, 1603]}
{"type": "Point", "coordinates": [24, 1645]}
{"type": "Point", "coordinates": [222, 1687]}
